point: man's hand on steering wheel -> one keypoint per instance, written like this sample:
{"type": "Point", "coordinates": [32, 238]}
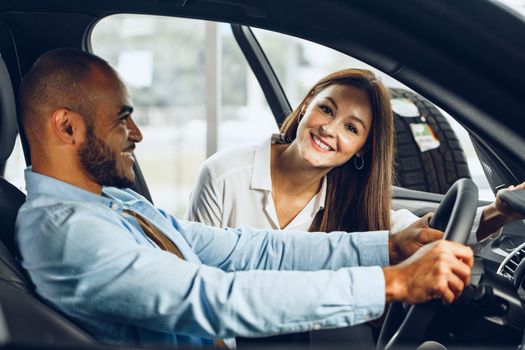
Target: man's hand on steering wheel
{"type": "Point", "coordinates": [437, 270]}
{"type": "Point", "coordinates": [406, 242]}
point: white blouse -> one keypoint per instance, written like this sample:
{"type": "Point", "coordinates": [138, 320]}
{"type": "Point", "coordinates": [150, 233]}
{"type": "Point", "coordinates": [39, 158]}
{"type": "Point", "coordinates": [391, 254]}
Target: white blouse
{"type": "Point", "coordinates": [234, 189]}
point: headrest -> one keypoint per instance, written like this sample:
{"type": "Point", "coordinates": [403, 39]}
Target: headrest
{"type": "Point", "coordinates": [8, 128]}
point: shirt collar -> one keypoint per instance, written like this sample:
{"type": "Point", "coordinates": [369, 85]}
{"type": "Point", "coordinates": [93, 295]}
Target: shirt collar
{"type": "Point", "coordinates": [261, 176]}
{"type": "Point", "coordinates": [38, 184]}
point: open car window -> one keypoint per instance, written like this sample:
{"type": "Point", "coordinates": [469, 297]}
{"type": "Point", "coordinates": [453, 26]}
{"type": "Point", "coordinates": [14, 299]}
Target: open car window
{"type": "Point", "coordinates": [194, 94]}
{"type": "Point", "coordinates": [14, 168]}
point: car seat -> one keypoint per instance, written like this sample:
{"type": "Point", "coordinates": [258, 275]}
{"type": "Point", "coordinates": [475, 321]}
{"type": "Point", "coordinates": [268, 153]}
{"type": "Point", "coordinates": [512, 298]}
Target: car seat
{"type": "Point", "coordinates": [24, 318]}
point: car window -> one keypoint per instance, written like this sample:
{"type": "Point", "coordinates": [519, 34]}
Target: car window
{"type": "Point", "coordinates": [431, 140]}
{"type": "Point", "coordinates": [193, 92]}
{"type": "Point", "coordinates": [15, 165]}
{"type": "Point", "coordinates": [518, 6]}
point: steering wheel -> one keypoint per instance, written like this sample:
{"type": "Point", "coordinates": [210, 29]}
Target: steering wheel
{"type": "Point", "coordinates": [454, 216]}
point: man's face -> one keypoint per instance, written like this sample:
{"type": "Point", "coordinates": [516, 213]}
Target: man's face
{"type": "Point", "coordinates": [106, 154]}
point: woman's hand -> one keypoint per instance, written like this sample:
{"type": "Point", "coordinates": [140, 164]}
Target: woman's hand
{"type": "Point", "coordinates": [497, 214]}
{"type": "Point", "coordinates": [503, 208]}
{"type": "Point", "coordinates": [407, 241]}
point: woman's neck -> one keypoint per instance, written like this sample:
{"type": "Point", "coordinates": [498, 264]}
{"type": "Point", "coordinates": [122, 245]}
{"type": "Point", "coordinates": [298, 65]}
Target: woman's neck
{"type": "Point", "coordinates": [295, 176]}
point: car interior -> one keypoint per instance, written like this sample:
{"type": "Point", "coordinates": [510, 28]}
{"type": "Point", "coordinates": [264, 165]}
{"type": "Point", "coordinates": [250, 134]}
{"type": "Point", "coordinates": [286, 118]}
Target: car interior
{"type": "Point", "coordinates": [457, 55]}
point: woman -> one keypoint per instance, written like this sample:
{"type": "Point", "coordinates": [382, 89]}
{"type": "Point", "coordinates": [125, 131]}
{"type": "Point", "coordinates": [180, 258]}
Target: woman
{"type": "Point", "coordinates": [330, 169]}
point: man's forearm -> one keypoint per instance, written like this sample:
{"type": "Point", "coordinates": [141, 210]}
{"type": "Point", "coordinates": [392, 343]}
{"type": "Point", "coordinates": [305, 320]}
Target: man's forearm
{"type": "Point", "coordinates": [243, 249]}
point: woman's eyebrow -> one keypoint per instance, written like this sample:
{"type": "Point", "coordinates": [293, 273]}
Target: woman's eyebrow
{"type": "Point", "coordinates": [332, 100]}
{"type": "Point", "coordinates": [358, 120]}
{"type": "Point", "coordinates": [353, 117]}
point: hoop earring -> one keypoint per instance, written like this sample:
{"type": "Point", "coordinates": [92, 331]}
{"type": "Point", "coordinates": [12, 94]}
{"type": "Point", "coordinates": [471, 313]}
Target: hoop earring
{"type": "Point", "coordinates": [359, 167]}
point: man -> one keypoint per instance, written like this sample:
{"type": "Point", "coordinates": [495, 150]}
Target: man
{"type": "Point", "coordinates": [93, 249]}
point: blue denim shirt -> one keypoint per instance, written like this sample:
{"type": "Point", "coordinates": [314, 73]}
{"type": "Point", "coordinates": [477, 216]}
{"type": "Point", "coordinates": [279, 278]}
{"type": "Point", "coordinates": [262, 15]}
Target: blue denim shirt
{"type": "Point", "coordinates": [100, 269]}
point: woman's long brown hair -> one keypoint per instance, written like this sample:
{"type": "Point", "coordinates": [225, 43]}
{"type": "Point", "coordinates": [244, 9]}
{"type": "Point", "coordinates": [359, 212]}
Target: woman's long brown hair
{"type": "Point", "coordinates": [357, 200]}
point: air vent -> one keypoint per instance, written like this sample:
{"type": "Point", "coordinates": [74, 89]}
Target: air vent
{"type": "Point", "coordinates": [509, 266]}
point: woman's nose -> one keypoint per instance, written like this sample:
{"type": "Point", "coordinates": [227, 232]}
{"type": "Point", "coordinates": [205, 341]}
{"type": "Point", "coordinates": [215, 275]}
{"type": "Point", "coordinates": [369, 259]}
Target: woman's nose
{"type": "Point", "coordinates": [328, 129]}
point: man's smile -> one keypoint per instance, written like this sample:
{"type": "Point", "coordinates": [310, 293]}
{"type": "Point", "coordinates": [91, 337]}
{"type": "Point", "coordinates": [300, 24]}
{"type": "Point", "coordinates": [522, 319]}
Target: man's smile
{"type": "Point", "coordinates": [128, 152]}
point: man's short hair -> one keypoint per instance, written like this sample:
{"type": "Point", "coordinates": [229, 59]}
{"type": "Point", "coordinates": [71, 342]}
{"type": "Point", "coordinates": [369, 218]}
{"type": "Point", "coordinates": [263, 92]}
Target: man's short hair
{"type": "Point", "coordinates": [58, 79]}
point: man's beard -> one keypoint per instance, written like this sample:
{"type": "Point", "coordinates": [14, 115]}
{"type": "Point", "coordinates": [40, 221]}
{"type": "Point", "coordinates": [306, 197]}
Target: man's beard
{"type": "Point", "coordinates": [99, 161]}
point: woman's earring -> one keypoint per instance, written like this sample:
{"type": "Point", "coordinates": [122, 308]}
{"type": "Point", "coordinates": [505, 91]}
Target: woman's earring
{"type": "Point", "coordinates": [362, 162]}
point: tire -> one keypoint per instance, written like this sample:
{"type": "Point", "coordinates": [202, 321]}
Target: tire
{"type": "Point", "coordinates": [433, 170]}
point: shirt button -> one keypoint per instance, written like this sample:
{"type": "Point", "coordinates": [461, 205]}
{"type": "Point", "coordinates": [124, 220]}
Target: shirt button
{"type": "Point", "coordinates": [317, 326]}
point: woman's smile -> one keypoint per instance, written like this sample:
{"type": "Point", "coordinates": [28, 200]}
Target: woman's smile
{"type": "Point", "coordinates": [319, 144]}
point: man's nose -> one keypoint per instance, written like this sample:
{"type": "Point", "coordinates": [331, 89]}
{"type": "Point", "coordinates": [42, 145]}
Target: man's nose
{"type": "Point", "coordinates": [134, 131]}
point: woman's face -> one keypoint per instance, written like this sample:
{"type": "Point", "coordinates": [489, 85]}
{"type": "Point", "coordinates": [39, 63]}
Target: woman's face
{"type": "Point", "coordinates": [334, 127]}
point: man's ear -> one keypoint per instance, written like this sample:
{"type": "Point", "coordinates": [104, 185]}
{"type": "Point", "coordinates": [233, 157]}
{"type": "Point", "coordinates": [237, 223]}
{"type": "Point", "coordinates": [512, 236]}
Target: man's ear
{"type": "Point", "coordinates": [66, 125]}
